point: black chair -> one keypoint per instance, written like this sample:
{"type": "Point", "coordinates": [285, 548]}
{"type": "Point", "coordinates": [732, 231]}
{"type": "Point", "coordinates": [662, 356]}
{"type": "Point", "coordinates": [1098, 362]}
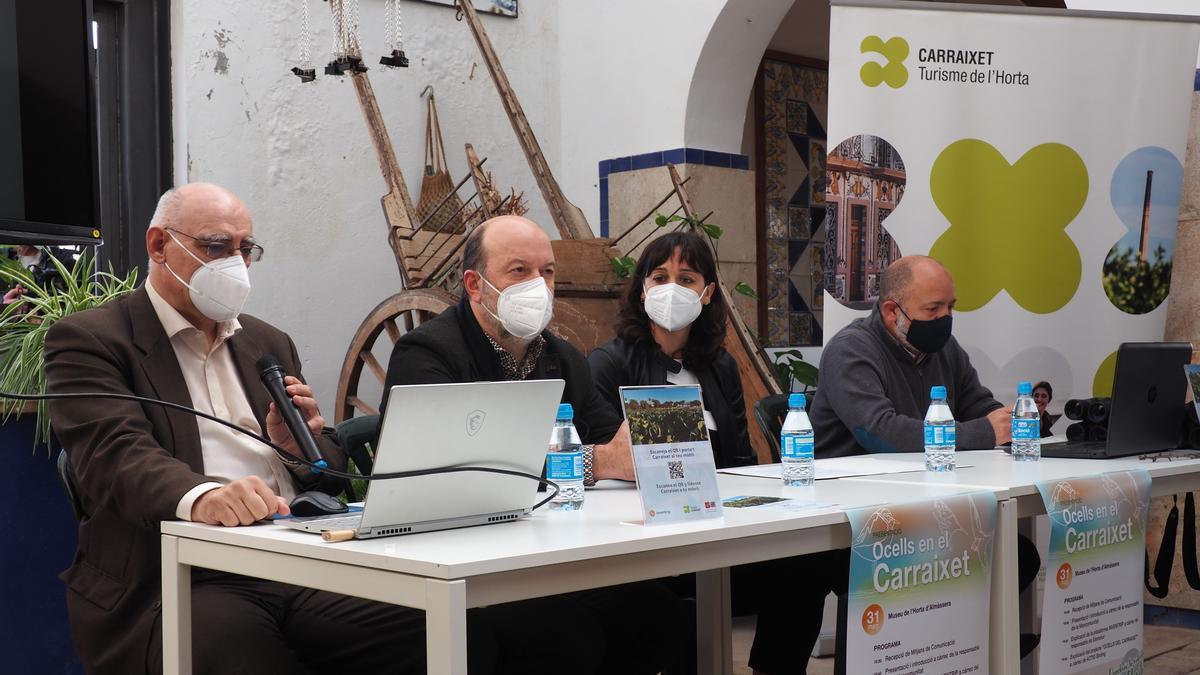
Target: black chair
{"type": "Point", "coordinates": [357, 436]}
{"type": "Point", "coordinates": [66, 475]}
{"type": "Point", "coordinates": [769, 412]}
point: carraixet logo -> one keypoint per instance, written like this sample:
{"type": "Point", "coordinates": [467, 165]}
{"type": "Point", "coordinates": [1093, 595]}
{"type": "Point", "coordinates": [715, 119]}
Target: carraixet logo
{"type": "Point", "coordinates": [893, 72]}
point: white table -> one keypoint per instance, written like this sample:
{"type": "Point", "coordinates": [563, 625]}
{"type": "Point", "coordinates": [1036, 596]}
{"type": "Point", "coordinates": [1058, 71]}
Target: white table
{"type": "Point", "coordinates": [1015, 485]}
{"type": "Point", "coordinates": [445, 573]}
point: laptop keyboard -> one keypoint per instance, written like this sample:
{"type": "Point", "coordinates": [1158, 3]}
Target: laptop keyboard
{"type": "Point", "coordinates": [335, 523]}
{"type": "Point", "coordinates": [1086, 449]}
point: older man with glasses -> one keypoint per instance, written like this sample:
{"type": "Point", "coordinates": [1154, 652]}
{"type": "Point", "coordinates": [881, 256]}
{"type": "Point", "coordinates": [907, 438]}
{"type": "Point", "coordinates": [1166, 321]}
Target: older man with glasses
{"type": "Point", "coordinates": [182, 338]}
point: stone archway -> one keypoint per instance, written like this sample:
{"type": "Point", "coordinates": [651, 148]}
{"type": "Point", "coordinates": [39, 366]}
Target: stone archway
{"type": "Point", "coordinates": [724, 75]}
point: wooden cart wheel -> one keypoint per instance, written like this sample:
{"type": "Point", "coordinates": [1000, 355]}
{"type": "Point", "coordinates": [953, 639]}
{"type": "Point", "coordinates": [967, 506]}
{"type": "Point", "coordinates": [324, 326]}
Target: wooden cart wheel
{"type": "Point", "coordinates": [397, 315]}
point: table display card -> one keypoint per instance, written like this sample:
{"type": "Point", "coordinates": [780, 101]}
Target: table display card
{"type": "Point", "coordinates": [672, 456]}
{"type": "Point", "coordinates": [1193, 375]}
{"type": "Point", "coordinates": [1092, 606]}
{"type": "Point", "coordinates": [919, 565]}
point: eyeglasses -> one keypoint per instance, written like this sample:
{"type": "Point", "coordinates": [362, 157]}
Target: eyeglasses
{"type": "Point", "coordinates": [216, 249]}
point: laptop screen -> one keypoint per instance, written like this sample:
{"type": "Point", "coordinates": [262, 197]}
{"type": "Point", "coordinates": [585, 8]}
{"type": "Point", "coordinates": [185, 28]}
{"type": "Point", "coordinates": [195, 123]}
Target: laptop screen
{"type": "Point", "coordinates": [1149, 388]}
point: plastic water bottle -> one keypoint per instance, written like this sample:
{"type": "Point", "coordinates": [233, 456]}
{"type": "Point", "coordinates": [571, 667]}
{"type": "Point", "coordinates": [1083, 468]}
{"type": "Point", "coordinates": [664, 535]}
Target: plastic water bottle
{"type": "Point", "coordinates": [564, 461]}
{"type": "Point", "coordinates": [1026, 426]}
{"type": "Point", "coordinates": [796, 444]}
{"type": "Point", "coordinates": [939, 432]}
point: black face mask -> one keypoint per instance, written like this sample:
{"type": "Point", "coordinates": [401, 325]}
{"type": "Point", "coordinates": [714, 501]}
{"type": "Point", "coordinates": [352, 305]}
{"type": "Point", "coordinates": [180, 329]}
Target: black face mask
{"type": "Point", "coordinates": [928, 337]}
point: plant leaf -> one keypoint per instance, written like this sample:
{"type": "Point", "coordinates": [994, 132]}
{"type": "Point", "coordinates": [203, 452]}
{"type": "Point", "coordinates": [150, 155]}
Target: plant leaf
{"type": "Point", "coordinates": [623, 266]}
{"type": "Point", "coordinates": [745, 289]}
{"type": "Point", "coordinates": [804, 372]}
{"type": "Point", "coordinates": [660, 220]}
{"type": "Point", "coordinates": [783, 375]}
{"type": "Point", "coordinates": [712, 230]}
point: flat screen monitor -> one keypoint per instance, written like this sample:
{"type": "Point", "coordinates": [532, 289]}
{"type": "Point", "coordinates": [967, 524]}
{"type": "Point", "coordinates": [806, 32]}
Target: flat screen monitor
{"type": "Point", "coordinates": [49, 184]}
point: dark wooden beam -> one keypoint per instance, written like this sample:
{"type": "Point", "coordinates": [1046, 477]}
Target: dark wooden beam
{"type": "Point", "coordinates": [134, 101]}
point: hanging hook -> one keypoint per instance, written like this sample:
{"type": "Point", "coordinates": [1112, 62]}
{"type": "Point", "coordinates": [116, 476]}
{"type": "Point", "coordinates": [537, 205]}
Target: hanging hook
{"type": "Point", "coordinates": [458, 14]}
{"type": "Point", "coordinates": [427, 90]}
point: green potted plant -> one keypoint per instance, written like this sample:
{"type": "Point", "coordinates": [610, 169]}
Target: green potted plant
{"type": "Point", "coordinates": [39, 546]}
{"type": "Point", "coordinates": [24, 324]}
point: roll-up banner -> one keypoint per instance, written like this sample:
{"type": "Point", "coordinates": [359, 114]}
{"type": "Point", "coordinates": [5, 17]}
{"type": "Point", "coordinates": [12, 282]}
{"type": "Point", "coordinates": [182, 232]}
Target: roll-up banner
{"type": "Point", "coordinates": [1038, 154]}
{"type": "Point", "coordinates": [1092, 606]}
{"type": "Point", "coordinates": [920, 586]}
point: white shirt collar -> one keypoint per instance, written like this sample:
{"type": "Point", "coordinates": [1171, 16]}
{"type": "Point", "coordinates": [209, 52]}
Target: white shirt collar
{"type": "Point", "coordinates": [175, 323]}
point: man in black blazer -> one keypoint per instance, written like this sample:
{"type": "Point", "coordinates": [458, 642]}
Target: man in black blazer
{"type": "Point", "coordinates": [498, 332]}
{"type": "Point", "coordinates": [182, 338]}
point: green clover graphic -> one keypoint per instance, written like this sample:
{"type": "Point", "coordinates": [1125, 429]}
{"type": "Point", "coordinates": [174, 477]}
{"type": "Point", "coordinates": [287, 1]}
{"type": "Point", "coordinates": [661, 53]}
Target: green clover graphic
{"type": "Point", "coordinates": [893, 72]}
{"type": "Point", "coordinates": [1008, 222]}
{"type": "Point", "coordinates": [1102, 383]}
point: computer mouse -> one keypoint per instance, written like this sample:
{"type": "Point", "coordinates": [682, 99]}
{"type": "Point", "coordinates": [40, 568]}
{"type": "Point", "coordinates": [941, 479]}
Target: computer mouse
{"type": "Point", "coordinates": [314, 503]}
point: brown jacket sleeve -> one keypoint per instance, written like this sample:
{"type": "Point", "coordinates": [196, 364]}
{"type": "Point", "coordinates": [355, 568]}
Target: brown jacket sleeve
{"type": "Point", "coordinates": [123, 452]}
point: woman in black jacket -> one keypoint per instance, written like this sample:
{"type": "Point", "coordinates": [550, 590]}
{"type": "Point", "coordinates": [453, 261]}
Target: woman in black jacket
{"type": "Point", "coordinates": [676, 279]}
{"type": "Point", "coordinates": [670, 330]}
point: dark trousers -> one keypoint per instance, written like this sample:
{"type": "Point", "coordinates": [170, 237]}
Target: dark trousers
{"type": "Point", "coordinates": [244, 625]}
{"type": "Point", "coordinates": [642, 628]}
{"type": "Point", "coordinates": [788, 595]}
{"type": "Point", "coordinates": [789, 621]}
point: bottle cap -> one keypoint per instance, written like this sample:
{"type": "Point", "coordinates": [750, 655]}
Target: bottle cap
{"type": "Point", "coordinates": [565, 412]}
{"type": "Point", "coordinates": [938, 392]}
{"type": "Point", "coordinates": [1024, 389]}
{"type": "Point", "coordinates": [796, 401]}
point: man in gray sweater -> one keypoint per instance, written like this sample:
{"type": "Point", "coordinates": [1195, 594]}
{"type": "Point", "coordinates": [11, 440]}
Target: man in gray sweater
{"type": "Point", "coordinates": [877, 372]}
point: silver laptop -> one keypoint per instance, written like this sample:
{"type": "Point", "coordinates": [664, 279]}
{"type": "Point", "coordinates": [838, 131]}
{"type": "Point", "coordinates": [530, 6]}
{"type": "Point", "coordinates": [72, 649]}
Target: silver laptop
{"type": "Point", "coordinates": [504, 425]}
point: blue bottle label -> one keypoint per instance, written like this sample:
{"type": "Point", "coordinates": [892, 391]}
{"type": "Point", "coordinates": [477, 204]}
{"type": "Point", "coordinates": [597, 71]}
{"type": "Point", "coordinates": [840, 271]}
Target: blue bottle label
{"type": "Point", "coordinates": [564, 466]}
{"type": "Point", "coordinates": [1025, 429]}
{"type": "Point", "coordinates": [939, 434]}
{"type": "Point", "coordinates": [795, 447]}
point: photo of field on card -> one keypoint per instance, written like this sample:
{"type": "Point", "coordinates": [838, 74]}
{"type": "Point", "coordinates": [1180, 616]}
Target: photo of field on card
{"type": "Point", "coordinates": [747, 502]}
{"type": "Point", "coordinates": [664, 414]}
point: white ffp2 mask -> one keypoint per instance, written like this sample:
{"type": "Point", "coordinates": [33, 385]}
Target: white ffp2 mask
{"type": "Point", "coordinates": [523, 309]}
{"type": "Point", "coordinates": [672, 306]}
{"type": "Point", "coordinates": [219, 288]}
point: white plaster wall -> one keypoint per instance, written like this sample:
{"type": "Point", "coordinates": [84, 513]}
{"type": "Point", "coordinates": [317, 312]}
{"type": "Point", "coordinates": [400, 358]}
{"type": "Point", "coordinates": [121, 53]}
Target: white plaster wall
{"type": "Point", "coordinates": [724, 74]}
{"type": "Point", "coordinates": [299, 155]}
{"type": "Point", "coordinates": [626, 69]}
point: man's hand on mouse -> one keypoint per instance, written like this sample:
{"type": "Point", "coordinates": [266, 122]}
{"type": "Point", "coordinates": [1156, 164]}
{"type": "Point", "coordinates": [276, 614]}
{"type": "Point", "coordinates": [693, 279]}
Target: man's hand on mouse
{"type": "Point", "coordinates": [245, 501]}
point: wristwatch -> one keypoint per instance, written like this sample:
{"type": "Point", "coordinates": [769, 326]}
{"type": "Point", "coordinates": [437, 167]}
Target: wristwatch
{"type": "Point", "coordinates": [589, 453]}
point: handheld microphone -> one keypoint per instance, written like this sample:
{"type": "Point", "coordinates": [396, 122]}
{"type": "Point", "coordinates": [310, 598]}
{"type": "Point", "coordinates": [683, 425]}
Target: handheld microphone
{"type": "Point", "coordinates": [271, 374]}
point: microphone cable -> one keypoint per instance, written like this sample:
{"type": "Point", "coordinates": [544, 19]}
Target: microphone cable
{"type": "Point", "coordinates": [285, 456]}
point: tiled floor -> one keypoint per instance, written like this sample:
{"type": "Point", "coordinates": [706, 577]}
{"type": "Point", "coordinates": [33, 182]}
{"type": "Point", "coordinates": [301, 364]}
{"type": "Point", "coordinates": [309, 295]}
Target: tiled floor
{"type": "Point", "coordinates": [1169, 651]}
{"type": "Point", "coordinates": [743, 636]}
{"type": "Point", "coordinates": [1172, 650]}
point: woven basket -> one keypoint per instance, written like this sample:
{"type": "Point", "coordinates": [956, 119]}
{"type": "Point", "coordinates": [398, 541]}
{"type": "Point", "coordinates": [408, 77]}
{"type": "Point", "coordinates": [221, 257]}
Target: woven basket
{"type": "Point", "coordinates": [438, 206]}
